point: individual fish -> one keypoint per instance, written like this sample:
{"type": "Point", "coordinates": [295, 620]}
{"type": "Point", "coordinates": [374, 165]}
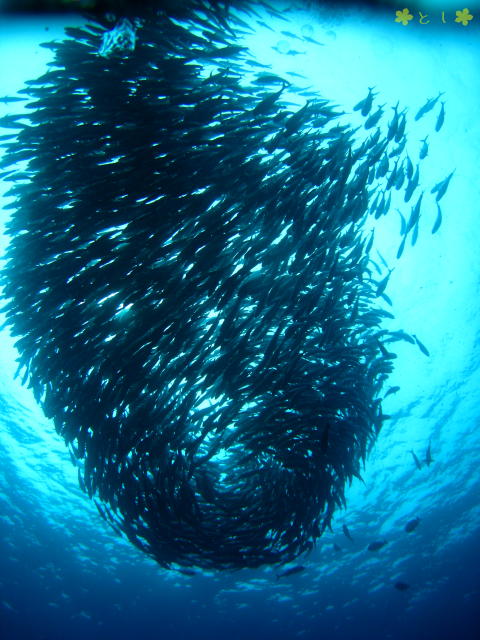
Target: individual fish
{"type": "Point", "coordinates": [401, 586]}
{"type": "Point", "coordinates": [428, 106]}
{"type": "Point", "coordinates": [409, 168]}
{"type": "Point", "coordinates": [347, 533]}
{"type": "Point", "coordinates": [421, 346]}
{"type": "Point", "coordinates": [415, 214]}
{"type": "Point", "coordinates": [291, 571]}
{"type": "Point", "coordinates": [403, 223]}
{"type": "Point", "coordinates": [441, 187]}
{"type": "Point", "coordinates": [393, 124]}
{"type": "Point", "coordinates": [336, 547]}
{"type": "Point", "coordinates": [398, 149]}
{"type": "Point", "coordinates": [418, 464]}
{"type": "Point", "coordinates": [412, 185]}
{"type": "Point", "coordinates": [382, 285]}
{"type": "Point", "coordinates": [269, 78]}
{"type": "Point", "coordinates": [289, 34]}
{"type": "Point", "coordinates": [438, 220]}
{"type": "Point", "coordinates": [365, 105]}
{"type": "Point", "coordinates": [401, 247]}
{"type": "Point", "coordinates": [428, 456]}
{"type": "Point", "coordinates": [187, 572]}
{"type": "Point", "coordinates": [391, 391]}
{"type": "Point", "coordinates": [313, 41]}
{"type": "Point", "coordinates": [8, 99]}
{"type": "Point", "coordinates": [372, 120]}
{"type": "Point", "coordinates": [377, 545]}
{"type": "Point", "coordinates": [266, 104]}
{"type": "Point", "coordinates": [402, 123]}
{"type": "Point", "coordinates": [440, 118]}
{"type": "Point", "coordinates": [382, 167]}
{"type": "Point", "coordinates": [412, 525]}
{"type": "Point", "coordinates": [424, 148]}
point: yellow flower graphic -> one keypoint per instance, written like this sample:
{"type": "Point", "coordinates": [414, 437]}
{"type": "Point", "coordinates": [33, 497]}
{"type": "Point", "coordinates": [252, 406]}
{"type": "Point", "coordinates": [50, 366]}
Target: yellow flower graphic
{"type": "Point", "coordinates": [404, 16]}
{"type": "Point", "coordinates": [464, 16]}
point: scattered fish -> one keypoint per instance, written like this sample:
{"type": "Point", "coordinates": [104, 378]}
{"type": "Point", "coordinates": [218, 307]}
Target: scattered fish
{"type": "Point", "coordinates": [438, 220]}
{"type": "Point", "coordinates": [428, 106]}
{"type": "Point", "coordinates": [412, 525]}
{"type": "Point", "coordinates": [441, 118]}
{"type": "Point", "coordinates": [421, 346]}
{"type": "Point", "coordinates": [428, 456]}
{"type": "Point", "coordinates": [424, 149]}
{"type": "Point", "coordinates": [291, 571]}
{"type": "Point", "coordinates": [418, 464]}
{"type": "Point", "coordinates": [365, 105]}
{"type": "Point", "coordinates": [441, 187]}
{"type": "Point", "coordinates": [377, 545]}
{"type": "Point", "coordinates": [347, 533]}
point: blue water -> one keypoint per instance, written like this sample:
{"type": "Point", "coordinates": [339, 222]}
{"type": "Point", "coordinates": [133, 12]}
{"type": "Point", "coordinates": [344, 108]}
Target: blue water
{"type": "Point", "coordinates": [64, 574]}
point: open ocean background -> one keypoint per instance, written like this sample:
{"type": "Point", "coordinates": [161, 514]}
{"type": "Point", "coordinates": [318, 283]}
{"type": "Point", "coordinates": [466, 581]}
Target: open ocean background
{"type": "Point", "coordinates": [65, 574]}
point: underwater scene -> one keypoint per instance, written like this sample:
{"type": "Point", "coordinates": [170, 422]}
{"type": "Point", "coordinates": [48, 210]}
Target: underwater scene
{"type": "Point", "coordinates": [239, 320]}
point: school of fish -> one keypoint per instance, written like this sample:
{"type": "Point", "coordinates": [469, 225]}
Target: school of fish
{"type": "Point", "coordinates": [191, 288]}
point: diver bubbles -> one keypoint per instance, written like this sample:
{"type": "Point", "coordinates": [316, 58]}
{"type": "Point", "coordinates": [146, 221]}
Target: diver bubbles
{"type": "Point", "coordinates": [190, 285]}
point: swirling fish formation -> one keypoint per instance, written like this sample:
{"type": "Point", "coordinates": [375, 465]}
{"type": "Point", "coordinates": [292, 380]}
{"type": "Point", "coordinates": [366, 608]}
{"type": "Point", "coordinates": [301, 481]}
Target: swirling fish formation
{"type": "Point", "coordinates": [191, 290]}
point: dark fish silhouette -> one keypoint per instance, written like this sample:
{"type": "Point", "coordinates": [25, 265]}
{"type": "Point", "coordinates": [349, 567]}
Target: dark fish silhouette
{"type": "Point", "coordinates": [401, 586]}
{"type": "Point", "coordinates": [418, 464]}
{"type": "Point", "coordinates": [347, 533]}
{"type": "Point", "coordinates": [428, 106]}
{"type": "Point", "coordinates": [412, 525]}
{"type": "Point", "coordinates": [291, 571]}
{"type": "Point", "coordinates": [428, 456]}
{"type": "Point", "coordinates": [440, 118]}
{"type": "Point", "coordinates": [377, 545]}
{"type": "Point", "coordinates": [441, 187]}
{"type": "Point", "coordinates": [438, 220]}
{"type": "Point", "coordinates": [365, 105]}
{"type": "Point", "coordinates": [421, 346]}
{"type": "Point", "coordinates": [424, 148]}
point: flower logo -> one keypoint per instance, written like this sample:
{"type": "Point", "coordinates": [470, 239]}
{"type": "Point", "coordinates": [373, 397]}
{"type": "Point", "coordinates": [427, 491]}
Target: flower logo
{"type": "Point", "coordinates": [464, 16]}
{"type": "Point", "coordinates": [403, 16]}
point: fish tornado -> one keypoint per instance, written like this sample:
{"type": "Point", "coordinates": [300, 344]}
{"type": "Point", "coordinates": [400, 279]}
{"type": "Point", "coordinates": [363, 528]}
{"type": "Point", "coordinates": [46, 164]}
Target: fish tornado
{"type": "Point", "coordinates": [189, 283]}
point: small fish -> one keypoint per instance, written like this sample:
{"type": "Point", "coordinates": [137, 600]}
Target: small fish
{"type": "Point", "coordinates": [441, 187]}
{"type": "Point", "coordinates": [401, 247]}
{"type": "Point", "coordinates": [365, 105]}
{"type": "Point", "coordinates": [347, 533]}
{"type": "Point", "coordinates": [291, 571]}
{"type": "Point", "coordinates": [7, 99]}
{"type": "Point", "coordinates": [401, 586]}
{"type": "Point", "coordinates": [377, 545]}
{"type": "Point", "coordinates": [441, 118]}
{"type": "Point", "coordinates": [187, 572]}
{"type": "Point", "coordinates": [424, 149]}
{"type": "Point", "coordinates": [428, 456]}
{"type": "Point", "coordinates": [372, 120]}
{"type": "Point", "coordinates": [438, 221]}
{"type": "Point", "coordinates": [415, 214]}
{"type": "Point", "coordinates": [421, 346]}
{"type": "Point", "coordinates": [428, 106]}
{"type": "Point", "coordinates": [418, 464]}
{"type": "Point", "coordinates": [412, 525]}
{"type": "Point", "coordinates": [391, 391]}
{"type": "Point", "coordinates": [382, 285]}
{"type": "Point", "coordinates": [336, 547]}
